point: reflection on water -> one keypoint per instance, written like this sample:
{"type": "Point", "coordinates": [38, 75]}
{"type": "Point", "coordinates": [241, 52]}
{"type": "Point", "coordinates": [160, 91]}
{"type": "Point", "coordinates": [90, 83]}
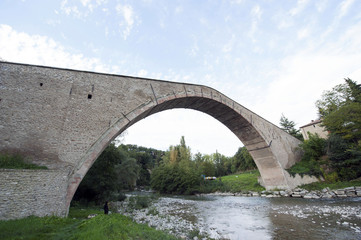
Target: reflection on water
{"type": "Point", "coordinates": [279, 218]}
{"type": "Point", "coordinates": [316, 219]}
{"type": "Point", "coordinates": [236, 217]}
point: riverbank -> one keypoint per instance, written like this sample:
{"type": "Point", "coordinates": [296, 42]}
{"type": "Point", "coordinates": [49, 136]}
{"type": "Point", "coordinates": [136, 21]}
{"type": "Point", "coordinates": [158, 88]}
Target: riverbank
{"type": "Point", "coordinates": [300, 193]}
{"type": "Point", "coordinates": [79, 226]}
{"type": "Point", "coordinates": [212, 216]}
{"type": "Point", "coordinates": [247, 183]}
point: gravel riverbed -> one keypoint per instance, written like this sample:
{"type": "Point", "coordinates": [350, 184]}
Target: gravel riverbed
{"type": "Point", "coordinates": [237, 217]}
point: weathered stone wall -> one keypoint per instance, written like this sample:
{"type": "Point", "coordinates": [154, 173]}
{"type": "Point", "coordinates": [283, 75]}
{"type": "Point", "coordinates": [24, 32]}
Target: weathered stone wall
{"type": "Point", "coordinates": [32, 192]}
{"type": "Point", "coordinates": [63, 119]}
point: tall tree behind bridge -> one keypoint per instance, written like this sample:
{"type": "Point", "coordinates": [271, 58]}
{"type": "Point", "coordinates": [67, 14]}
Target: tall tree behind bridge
{"type": "Point", "coordinates": [340, 109]}
{"type": "Point", "coordinates": [289, 127]}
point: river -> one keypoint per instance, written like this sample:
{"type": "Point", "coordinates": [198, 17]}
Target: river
{"type": "Point", "coordinates": [237, 217]}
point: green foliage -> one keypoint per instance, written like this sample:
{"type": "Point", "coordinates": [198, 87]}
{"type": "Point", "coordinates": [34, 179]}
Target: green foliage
{"type": "Point", "coordinates": [313, 148]}
{"type": "Point", "coordinates": [331, 177]}
{"type": "Point", "coordinates": [178, 174]}
{"type": "Point", "coordinates": [333, 99]}
{"type": "Point", "coordinates": [289, 127]}
{"type": "Point", "coordinates": [174, 179]}
{"type": "Point", "coordinates": [310, 167]}
{"type": "Point", "coordinates": [346, 121]}
{"type": "Point", "coordinates": [244, 182]}
{"type": "Point", "coordinates": [140, 202]}
{"type": "Point", "coordinates": [335, 185]}
{"type": "Point", "coordinates": [340, 109]}
{"type": "Point", "coordinates": [242, 161]}
{"type": "Point", "coordinates": [113, 226]}
{"type": "Point", "coordinates": [111, 173]}
{"type": "Point", "coordinates": [17, 162]}
{"type": "Point", "coordinates": [147, 159]}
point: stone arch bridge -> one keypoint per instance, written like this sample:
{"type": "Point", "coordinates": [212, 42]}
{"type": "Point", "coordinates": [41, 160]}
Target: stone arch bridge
{"type": "Point", "coordinates": [63, 119]}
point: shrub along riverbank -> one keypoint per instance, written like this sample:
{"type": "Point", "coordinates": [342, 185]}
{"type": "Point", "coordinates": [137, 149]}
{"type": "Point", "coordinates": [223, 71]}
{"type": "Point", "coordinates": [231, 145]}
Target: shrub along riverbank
{"type": "Point", "coordinates": [77, 226]}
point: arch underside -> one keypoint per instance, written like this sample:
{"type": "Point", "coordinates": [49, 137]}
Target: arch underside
{"type": "Point", "coordinates": [272, 174]}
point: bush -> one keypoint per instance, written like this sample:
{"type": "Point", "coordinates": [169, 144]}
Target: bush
{"type": "Point", "coordinates": [314, 147]}
{"type": "Point", "coordinates": [173, 179]}
{"type": "Point", "coordinates": [345, 158]}
{"type": "Point", "coordinates": [331, 177]}
{"type": "Point", "coordinates": [139, 202]}
{"type": "Point", "coordinates": [121, 197]}
{"type": "Point", "coordinates": [306, 167]}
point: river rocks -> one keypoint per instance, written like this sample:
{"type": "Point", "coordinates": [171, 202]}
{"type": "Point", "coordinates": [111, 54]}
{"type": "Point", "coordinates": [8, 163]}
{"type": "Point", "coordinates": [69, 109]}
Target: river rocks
{"type": "Point", "coordinates": [302, 193]}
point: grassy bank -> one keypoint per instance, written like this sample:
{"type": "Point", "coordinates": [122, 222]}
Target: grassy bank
{"type": "Point", "coordinates": [332, 186]}
{"type": "Point", "coordinates": [247, 181]}
{"type": "Point", "coordinates": [244, 182]}
{"type": "Point", "coordinates": [77, 226]}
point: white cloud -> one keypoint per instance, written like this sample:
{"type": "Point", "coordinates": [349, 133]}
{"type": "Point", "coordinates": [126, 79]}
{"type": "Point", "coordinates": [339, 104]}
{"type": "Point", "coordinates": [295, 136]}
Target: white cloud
{"type": "Point", "coordinates": [82, 11]}
{"type": "Point", "coordinates": [142, 73]}
{"type": "Point", "coordinates": [71, 10]}
{"type": "Point", "coordinates": [193, 52]}
{"type": "Point", "coordinates": [301, 80]}
{"type": "Point", "coordinates": [179, 9]}
{"type": "Point", "coordinates": [229, 45]}
{"type": "Point", "coordinates": [303, 33]}
{"type": "Point", "coordinates": [321, 5]}
{"type": "Point", "coordinates": [301, 4]}
{"type": "Point", "coordinates": [42, 50]}
{"type": "Point", "coordinates": [236, 1]}
{"type": "Point", "coordinates": [126, 11]}
{"type": "Point", "coordinates": [345, 6]}
{"type": "Point", "coordinates": [256, 14]}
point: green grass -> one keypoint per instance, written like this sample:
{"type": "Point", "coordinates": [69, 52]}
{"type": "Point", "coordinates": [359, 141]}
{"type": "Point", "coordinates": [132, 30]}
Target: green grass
{"type": "Point", "coordinates": [244, 182]}
{"type": "Point", "coordinates": [336, 185]}
{"type": "Point", "coordinates": [16, 162]}
{"type": "Point", "coordinates": [77, 226]}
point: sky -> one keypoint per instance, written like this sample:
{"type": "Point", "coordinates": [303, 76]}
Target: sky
{"type": "Point", "coordinates": [273, 57]}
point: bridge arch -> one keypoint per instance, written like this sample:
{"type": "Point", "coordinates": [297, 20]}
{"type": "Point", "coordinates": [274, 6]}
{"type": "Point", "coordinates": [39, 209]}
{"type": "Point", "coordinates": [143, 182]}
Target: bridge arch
{"type": "Point", "coordinates": [271, 169]}
{"type": "Point", "coordinates": [64, 119]}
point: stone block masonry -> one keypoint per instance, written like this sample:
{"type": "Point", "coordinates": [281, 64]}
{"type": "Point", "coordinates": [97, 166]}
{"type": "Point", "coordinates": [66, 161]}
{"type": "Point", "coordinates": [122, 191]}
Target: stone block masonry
{"type": "Point", "coordinates": [63, 119]}
{"type": "Point", "coordinates": [32, 192]}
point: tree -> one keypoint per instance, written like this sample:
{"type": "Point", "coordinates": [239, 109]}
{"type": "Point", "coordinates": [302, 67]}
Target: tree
{"type": "Point", "coordinates": [289, 127]}
{"type": "Point", "coordinates": [340, 109]}
{"type": "Point", "coordinates": [113, 172]}
{"type": "Point", "coordinates": [127, 173]}
{"type": "Point", "coordinates": [101, 180]}
{"type": "Point", "coordinates": [242, 161]}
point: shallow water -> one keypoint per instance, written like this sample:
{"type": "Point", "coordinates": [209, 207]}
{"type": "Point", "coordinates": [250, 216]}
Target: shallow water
{"type": "Point", "coordinates": [236, 217]}
{"type": "Point", "coordinates": [281, 218]}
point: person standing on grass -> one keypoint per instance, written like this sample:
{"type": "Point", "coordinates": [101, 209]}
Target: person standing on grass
{"type": "Point", "coordinates": [106, 208]}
